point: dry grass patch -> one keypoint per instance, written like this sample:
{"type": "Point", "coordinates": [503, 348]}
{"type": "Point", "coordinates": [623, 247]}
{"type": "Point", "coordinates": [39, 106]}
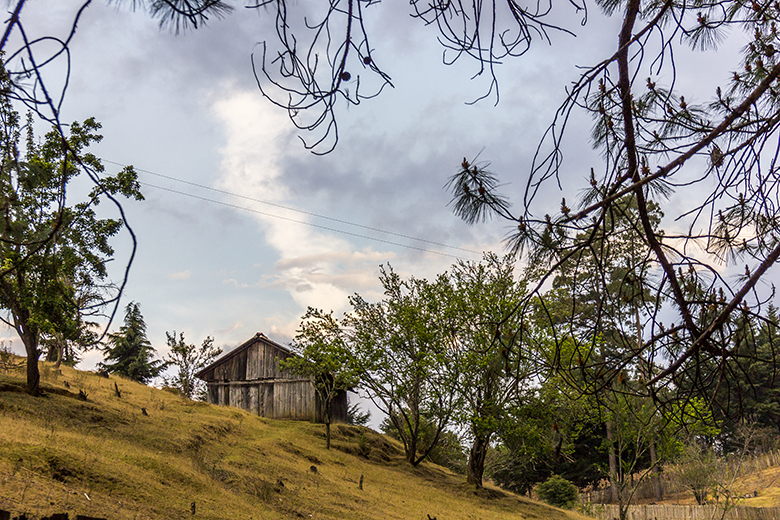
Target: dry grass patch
{"type": "Point", "coordinates": [150, 454]}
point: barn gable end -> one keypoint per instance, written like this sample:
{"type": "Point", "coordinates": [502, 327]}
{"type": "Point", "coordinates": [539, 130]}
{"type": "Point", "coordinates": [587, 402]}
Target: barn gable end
{"type": "Point", "coordinates": [249, 377]}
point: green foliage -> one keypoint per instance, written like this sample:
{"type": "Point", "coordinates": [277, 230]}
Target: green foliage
{"type": "Point", "coordinates": [54, 256]}
{"type": "Point", "coordinates": [749, 385]}
{"type": "Point", "coordinates": [404, 349]}
{"type": "Point", "coordinates": [323, 356]}
{"type": "Point", "coordinates": [128, 352]}
{"type": "Point", "coordinates": [447, 450]}
{"type": "Point", "coordinates": [484, 297]}
{"type": "Point", "coordinates": [188, 360]}
{"type": "Point", "coordinates": [549, 432]}
{"type": "Point", "coordinates": [558, 492]}
{"type": "Point", "coordinates": [357, 417]}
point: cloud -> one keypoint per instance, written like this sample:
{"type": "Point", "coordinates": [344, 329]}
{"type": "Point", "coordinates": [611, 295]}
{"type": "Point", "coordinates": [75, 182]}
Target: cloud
{"type": "Point", "coordinates": [232, 328]}
{"type": "Point", "coordinates": [236, 283]}
{"type": "Point", "coordinates": [183, 275]}
{"type": "Point", "coordinates": [280, 330]}
{"type": "Point", "coordinates": [350, 257]}
{"type": "Point", "coordinates": [319, 267]}
{"type": "Point", "coordinates": [312, 262]}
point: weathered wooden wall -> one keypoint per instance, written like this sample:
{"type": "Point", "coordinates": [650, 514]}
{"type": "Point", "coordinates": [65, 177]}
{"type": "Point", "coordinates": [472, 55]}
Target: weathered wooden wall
{"type": "Point", "coordinates": [673, 512]}
{"type": "Point", "coordinates": [295, 400]}
{"type": "Point", "coordinates": [257, 361]}
{"type": "Point", "coordinates": [277, 399]}
{"type": "Point", "coordinates": [250, 378]}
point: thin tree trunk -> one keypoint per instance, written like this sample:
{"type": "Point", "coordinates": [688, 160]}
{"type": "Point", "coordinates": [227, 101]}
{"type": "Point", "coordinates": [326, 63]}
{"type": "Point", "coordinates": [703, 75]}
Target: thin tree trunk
{"type": "Point", "coordinates": [328, 414]}
{"type": "Point", "coordinates": [476, 466]}
{"type": "Point", "coordinates": [613, 490]}
{"type": "Point", "coordinates": [657, 488]}
{"type": "Point", "coordinates": [60, 351]}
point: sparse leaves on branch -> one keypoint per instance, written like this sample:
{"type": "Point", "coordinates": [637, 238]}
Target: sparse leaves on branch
{"type": "Point", "coordinates": [186, 361]}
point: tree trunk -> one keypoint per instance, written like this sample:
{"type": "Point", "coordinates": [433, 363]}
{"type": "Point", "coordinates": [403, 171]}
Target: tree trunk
{"type": "Point", "coordinates": [613, 490]}
{"type": "Point", "coordinates": [411, 453]}
{"type": "Point", "coordinates": [327, 434]}
{"type": "Point", "coordinates": [33, 375]}
{"type": "Point", "coordinates": [60, 352]}
{"type": "Point", "coordinates": [476, 466]}
{"type": "Point", "coordinates": [657, 489]}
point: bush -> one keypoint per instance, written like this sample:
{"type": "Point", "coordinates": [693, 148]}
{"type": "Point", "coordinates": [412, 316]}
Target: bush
{"type": "Point", "coordinates": [558, 492]}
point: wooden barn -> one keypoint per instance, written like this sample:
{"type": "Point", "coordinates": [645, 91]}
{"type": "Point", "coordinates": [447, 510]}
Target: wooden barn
{"type": "Point", "coordinates": [249, 377]}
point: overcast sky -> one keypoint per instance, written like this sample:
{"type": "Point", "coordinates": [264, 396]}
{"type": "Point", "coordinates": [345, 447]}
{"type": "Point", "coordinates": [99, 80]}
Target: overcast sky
{"type": "Point", "coordinates": [188, 107]}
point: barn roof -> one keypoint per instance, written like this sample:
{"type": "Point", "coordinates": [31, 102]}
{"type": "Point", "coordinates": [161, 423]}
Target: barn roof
{"type": "Point", "coordinates": [248, 343]}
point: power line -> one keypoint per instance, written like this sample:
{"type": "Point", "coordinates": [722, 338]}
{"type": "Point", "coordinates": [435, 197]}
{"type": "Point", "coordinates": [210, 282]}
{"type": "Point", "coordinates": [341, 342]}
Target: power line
{"type": "Point", "coordinates": [205, 199]}
{"type": "Point", "coordinates": [303, 212]}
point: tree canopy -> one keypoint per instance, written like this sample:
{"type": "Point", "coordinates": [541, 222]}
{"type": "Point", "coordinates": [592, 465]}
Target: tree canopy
{"type": "Point", "coordinates": [188, 360]}
{"type": "Point", "coordinates": [402, 348]}
{"type": "Point", "coordinates": [53, 275]}
{"type": "Point", "coordinates": [323, 356]}
{"type": "Point", "coordinates": [129, 352]}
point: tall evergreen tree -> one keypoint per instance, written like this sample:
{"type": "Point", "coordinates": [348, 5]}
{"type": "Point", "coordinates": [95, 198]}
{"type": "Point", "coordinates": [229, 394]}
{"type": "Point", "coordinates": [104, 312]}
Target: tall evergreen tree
{"type": "Point", "coordinates": [129, 353]}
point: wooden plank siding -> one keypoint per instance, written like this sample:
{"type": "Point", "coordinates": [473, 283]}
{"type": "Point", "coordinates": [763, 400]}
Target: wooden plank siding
{"type": "Point", "coordinates": [249, 378]}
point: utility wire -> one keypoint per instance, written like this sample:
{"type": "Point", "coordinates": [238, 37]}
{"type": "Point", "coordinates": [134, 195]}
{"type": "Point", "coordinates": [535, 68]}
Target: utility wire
{"type": "Point", "coordinates": [304, 212]}
{"type": "Point", "coordinates": [288, 219]}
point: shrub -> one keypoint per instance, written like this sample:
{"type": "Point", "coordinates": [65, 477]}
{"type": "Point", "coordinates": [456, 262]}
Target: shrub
{"type": "Point", "coordinates": [559, 492]}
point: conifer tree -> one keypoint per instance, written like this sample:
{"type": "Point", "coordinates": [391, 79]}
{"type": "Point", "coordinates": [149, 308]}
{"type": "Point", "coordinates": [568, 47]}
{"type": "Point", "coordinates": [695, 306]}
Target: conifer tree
{"type": "Point", "coordinates": [129, 353]}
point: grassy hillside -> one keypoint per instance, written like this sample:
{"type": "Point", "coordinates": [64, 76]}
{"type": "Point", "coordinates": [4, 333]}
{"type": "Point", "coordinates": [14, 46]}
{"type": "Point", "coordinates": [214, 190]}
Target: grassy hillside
{"type": "Point", "coordinates": [764, 483]}
{"type": "Point", "coordinates": [104, 457]}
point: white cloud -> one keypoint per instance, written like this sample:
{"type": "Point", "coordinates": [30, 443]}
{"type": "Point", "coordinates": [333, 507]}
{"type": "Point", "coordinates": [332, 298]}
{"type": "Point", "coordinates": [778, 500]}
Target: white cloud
{"type": "Point", "coordinates": [232, 328]}
{"type": "Point", "coordinates": [234, 282]}
{"type": "Point", "coordinates": [183, 275]}
{"type": "Point", "coordinates": [316, 267]}
{"type": "Point", "coordinates": [280, 330]}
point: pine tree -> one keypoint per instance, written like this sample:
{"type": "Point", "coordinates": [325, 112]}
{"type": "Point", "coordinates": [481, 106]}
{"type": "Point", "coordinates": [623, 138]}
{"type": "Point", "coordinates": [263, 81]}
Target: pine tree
{"type": "Point", "coordinates": [129, 353]}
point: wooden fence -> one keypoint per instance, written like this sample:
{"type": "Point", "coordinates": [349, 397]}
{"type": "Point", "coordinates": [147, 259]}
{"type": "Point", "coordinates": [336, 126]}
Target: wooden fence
{"type": "Point", "coordinates": [672, 486]}
{"type": "Point", "coordinates": [672, 512]}
{"type": "Point", "coordinates": [757, 463]}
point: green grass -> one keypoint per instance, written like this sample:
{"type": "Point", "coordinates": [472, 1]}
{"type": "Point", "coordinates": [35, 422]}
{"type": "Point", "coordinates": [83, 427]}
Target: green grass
{"type": "Point", "coordinates": [105, 458]}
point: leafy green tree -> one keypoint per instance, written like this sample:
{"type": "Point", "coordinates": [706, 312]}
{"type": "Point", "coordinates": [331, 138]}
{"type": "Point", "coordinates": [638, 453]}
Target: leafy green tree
{"type": "Point", "coordinates": [54, 256]}
{"type": "Point", "coordinates": [187, 361]}
{"type": "Point", "coordinates": [324, 357]}
{"type": "Point", "coordinates": [128, 352]}
{"type": "Point", "coordinates": [33, 234]}
{"type": "Point", "coordinates": [404, 350]}
{"type": "Point", "coordinates": [492, 369]}
{"type": "Point", "coordinates": [546, 431]}
{"type": "Point", "coordinates": [593, 319]}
